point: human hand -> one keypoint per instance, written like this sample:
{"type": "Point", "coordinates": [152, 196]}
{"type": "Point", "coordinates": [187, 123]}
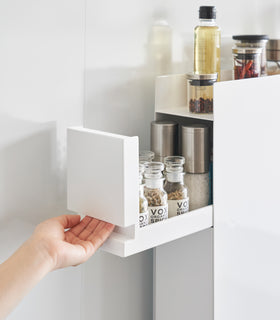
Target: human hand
{"type": "Point", "coordinates": [74, 246]}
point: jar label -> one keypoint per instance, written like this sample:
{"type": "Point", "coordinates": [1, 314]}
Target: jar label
{"type": "Point", "coordinates": [178, 207]}
{"type": "Point", "coordinates": [158, 213]}
{"type": "Point", "coordinates": [143, 219]}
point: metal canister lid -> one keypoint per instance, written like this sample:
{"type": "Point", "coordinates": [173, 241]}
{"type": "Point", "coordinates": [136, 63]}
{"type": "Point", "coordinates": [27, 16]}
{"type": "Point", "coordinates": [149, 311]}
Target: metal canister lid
{"type": "Point", "coordinates": [164, 138]}
{"type": "Point", "coordinates": [195, 148]}
{"type": "Point", "coordinates": [273, 50]}
{"type": "Point", "coordinates": [251, 37]}
{"type": "Point", "coordinates": [195, 76]}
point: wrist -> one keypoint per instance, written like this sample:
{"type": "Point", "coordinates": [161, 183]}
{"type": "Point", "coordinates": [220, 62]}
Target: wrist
{"type": "Point", "coordinates": [39, 250]}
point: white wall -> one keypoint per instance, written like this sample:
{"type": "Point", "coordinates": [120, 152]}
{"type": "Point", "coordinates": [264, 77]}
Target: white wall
{"type": "Point", "coordinates": [41, 80]}
{"type": "Point", "coordinates": [42, 63]}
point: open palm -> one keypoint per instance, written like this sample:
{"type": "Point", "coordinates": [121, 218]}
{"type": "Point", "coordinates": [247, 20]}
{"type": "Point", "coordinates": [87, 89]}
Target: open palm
{"type": "Point", "coordinates": [75, 245]}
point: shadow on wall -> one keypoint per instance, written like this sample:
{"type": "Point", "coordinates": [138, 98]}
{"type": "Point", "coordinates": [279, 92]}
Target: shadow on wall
{"type": "Point", "coordinates": [120, 100]}
{"type": "Point", "coordinates": [30, 181]}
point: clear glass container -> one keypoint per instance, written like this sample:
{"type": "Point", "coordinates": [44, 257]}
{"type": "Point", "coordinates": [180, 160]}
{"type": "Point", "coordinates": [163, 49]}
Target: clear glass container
{"type": "Point", "coordinates": [207, 43]}
{"type": "Point", "coordinates": [200, 92]}
{"type": "Point", "coordinates": [154, 192]}
{"type": "Point", "coordinates": [146, 156]}
{"type": "Point", "coordinates": [273, 57]}
{"type": "Point", "coordinates": [177, 193]}
{"type": "Point", "coordinates": [246, 62]}
{"type": "Point", "coordinates": [254, 41]}
{"type": "Point", "coordinates": [198, 188]}
{"type": "Point", "coordinates": [143, 202]}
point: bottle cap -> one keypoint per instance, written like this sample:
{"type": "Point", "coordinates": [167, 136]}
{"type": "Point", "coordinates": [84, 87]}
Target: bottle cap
{"type": "Point", "coordinates": [207, 12]}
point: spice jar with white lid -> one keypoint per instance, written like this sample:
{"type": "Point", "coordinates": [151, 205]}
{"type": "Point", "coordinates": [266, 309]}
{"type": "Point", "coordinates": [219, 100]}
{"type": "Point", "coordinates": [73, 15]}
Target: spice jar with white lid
{"type": "Point", "coordinates": [254, 41]}
{"type": "Point", "coordinates": [200, 92]}
{"type": "Point", "coordinates": [143, 202]}
{"type": "Point", "coordinates": [195, 149]}
{"type": "Point", "coordinates": [177, 193]}
{"type": "Point", "coordinates": [273, 56]}
{"type": "Point", "coordinates": [154, 192]}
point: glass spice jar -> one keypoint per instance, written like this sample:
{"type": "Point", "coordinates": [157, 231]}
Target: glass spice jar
{"type": "Point", "coordinates": [143, 202]}
{"type": "Point", "coordinates": [254, 41]}
{"type": "Point", "coordinates": [154, 192]}
{"type": "Point", "coordinates": [146, 156]}
{"type": "Point", "coordinates": [273, 57]}
{"type": "Point", "coordinates": [177, 193]}
{"type": "Point", "coordinates": [246, 62]}
{"type": "Point", "coordinates": [200, 92]}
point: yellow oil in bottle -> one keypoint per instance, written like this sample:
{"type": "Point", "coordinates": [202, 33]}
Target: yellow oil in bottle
{"type": "Point", "coordinates": [207, 51]}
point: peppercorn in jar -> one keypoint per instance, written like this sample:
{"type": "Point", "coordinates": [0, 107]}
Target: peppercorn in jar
{"type": "Point", "coordinates": [154, 192]}
{"type": "Point", "coordinates": [177, 193]}
{"type": "Point", "coordinates": [200, 92]}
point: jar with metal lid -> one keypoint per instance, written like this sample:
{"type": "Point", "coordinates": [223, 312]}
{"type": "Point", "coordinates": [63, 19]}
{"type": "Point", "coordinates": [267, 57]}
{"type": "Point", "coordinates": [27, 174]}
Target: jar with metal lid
{"type": "Point", "coordinates": [177, 193]}
{"type": "Point", "coordinates": [200, 92]}
{"type": "Point", "coordinates": [154, 192]}
{"type": "Point", "coordinates": [273, 56]}
{"type": "Point", "coordinates": [254, 41]}
{"type": "Point", "coordinates": [246, 62]}
{"type": "Point", "coordinates": [143, 202]}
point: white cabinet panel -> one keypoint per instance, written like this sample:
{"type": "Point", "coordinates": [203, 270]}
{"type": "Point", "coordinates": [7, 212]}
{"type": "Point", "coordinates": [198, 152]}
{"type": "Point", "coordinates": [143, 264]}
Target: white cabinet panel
{"type": "Point", "coordinates": [103, 175]}
{"type": "Point", "coordinates": [246, 199]}
{"type": "Point", "coordinates": [183, 278]}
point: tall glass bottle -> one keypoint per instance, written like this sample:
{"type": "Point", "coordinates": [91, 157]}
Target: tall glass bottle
{"type": "Point", "coordinates": [207, 43]}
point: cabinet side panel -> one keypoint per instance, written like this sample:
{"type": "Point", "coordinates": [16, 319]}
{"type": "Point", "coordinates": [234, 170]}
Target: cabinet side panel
{"type": "Point", "coordinates": [183, 278]}
{"type": "Point", "coordinates": [246, 199]}
{"type": "Point", "coordinates": [96, 174]}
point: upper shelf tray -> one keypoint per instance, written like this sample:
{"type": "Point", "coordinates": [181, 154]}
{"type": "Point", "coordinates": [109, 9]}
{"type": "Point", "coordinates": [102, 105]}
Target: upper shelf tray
{"type": "Point", "coordinates": [183, 112]}
{"type": "Point", "coordinates": [171, 97]}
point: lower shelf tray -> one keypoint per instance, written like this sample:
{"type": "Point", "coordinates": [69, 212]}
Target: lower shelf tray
{"type": "Point", "coordinates": [159, 233]}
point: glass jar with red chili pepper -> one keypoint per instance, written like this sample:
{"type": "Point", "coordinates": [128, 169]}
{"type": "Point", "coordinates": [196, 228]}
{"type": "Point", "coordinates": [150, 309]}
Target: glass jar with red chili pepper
{"type": "Point", "coordinates": [246, 62]}
{"type": "Point", "coordinates": [254, 41]}
{"type": "Point", "coordinates": [200, 92]}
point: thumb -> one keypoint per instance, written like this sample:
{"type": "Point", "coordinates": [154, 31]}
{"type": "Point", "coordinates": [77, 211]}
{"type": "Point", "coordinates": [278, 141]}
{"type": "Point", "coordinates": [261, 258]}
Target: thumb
{"type": "Point", "coordinates": [68, 220]}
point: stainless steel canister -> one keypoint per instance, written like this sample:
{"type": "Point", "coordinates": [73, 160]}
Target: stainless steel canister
{"type": "Point", "coordinates": [195, 148]}
{"type": "Point", "coordinates": [273, 50]}
{"type": "Point", "coordinates": [164, 139]}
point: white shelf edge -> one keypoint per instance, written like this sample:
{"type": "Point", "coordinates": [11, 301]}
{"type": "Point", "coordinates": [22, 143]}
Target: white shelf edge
{"type": "Point", "coordinates": [159, 233]}
{"type": "Point", "coordinates": [183, 112]}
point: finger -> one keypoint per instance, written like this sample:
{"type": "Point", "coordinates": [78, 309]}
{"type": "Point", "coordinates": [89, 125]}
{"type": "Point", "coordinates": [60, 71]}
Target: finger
{"type": "Point", "coordinates": [76, 230]}
{"type": "Point", "coordinates": [68, 220]}
{"type": "Point", "coordinates": [88, 229]}
{"type": "Point", "coordinates": [100, 234]}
